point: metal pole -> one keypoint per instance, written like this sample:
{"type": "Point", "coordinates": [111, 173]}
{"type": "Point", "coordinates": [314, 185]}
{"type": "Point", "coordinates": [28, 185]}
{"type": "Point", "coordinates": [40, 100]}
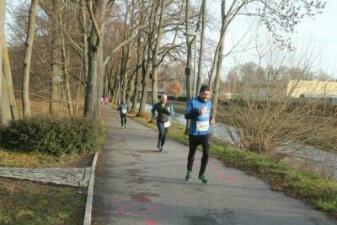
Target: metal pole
{"type": "Point", "coordinates": [194, 67]}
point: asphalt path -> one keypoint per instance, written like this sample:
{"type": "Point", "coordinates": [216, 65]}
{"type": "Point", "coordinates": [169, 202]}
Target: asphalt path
{"type": "Point", "coordinates": [136, 184]}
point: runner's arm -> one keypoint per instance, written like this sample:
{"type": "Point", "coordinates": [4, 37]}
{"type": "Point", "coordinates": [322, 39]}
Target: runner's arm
{"type": "Point", "coordinates": [191, 112]}
{"type": "Point", "coordinates": [153, 111]}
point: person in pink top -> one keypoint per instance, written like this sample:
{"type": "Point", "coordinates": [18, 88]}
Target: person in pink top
{"type": "Point", "coordinates": [106, 100]}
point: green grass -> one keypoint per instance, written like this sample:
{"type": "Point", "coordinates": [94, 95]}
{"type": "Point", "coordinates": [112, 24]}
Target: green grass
{"type": "Point", "coordinates": [40, 160]}
{"type": "Point", "coordinates": [28, 203]}
{"type": "Point", "coordinates": [315, 191]}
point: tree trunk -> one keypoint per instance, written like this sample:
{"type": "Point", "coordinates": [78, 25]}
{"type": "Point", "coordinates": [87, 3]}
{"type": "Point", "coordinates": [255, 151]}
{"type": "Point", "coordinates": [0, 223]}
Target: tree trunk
{"type": "Point", "coordinates": [5, 111]}
{"type": "Point", "coordinates": [130, 89]}
{"type": "Point", "coordinates": [5, 108]}
{"type": "Point", "coordinates": [115, 86]}
{"type": "Point", "coordinates": [219, 61]}
{"type": "Point", "coordinates": [146, 74]}
{"type": "Point", "coordinates": [66, 78]}
{"type": "Point", "coordinates": [8, 76]}
{"type": "Point", "coordinates": [84, 74]}
{"type": "Point", "coordinates": [147, 61]}
{"type": "Point", "coordinates": [155, 53]}
{"type": "Point", "coordinates": [84, 39]}
{"type": "Point", "coordinates": [124, 71]}
{"type": "Point", "coordinates": [27, 59]}
{"type": "Point", "coordinates": [188, 59]}
{"type": "Point", "coordinates": [202, 38]}
{"type": "Point", "coordinates": [100, 77]}
{"type": "Point", "coordinates": [2, 35]}
{"type": "Point", "coordinates": [78, 91]}
{"type": "Point", "coordinates": [56, 66]}
{"type": "Point", "coordinates": [136, 83]}
{"type": "Point", "coordinates": [92, 97]}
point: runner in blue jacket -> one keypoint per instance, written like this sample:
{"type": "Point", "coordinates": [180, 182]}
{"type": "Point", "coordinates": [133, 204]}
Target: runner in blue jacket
{"type": "Point", "coordinates": [198, 110]}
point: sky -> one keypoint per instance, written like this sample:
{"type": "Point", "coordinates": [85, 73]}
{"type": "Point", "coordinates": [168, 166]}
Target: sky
{"type": "Point", "coordinates": [322, 34]}
{"type": "Point", "coordinates": [318, 34]}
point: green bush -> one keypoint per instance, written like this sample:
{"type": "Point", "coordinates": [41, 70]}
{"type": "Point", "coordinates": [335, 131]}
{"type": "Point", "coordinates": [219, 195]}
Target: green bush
{"type": "Point", "coordinates": [51, 135]}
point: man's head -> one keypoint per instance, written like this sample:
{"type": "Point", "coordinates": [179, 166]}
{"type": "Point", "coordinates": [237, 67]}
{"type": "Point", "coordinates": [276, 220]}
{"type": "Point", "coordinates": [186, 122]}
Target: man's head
{"type": "Point", "coordinates": [163, 99]}
{"type": "Point", "coordinates": [204, 93]}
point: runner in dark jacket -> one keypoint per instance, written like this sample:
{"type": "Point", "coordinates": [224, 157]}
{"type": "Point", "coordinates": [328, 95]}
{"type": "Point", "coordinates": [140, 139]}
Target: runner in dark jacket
{"type": "Point", "coordinates": [164, 111]}
{"type": "Point", "coordinates": [123, 111]}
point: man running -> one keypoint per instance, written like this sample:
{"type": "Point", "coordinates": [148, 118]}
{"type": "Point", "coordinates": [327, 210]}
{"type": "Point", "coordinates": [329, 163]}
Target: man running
{"type": "Point", "coordinates": [123, 109]}
{"type": "Point", "coordinates": [164, 112]}
{"type": "Point", "coordinates": [198, 110]}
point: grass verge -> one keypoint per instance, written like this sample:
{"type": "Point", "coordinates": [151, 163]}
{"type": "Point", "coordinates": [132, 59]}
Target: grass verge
{"type": "Point", "coordinates": [29, 203]}
{"type": "Point", "coordinates": [315, 191]}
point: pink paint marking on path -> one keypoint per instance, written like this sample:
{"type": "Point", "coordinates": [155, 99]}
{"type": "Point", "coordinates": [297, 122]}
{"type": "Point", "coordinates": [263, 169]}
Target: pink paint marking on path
{"type": "Point", "coordinates": [222, 175]}
{"type": "Point", "coordinates": [150, 222]}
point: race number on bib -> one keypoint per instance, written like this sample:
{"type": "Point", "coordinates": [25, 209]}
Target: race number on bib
{"type": "Point", "coordinates": [167, 124]}
{"type": "Point", "coordinates": [202, 125]}
{"type": "Point", "coordinates": [124, 111]}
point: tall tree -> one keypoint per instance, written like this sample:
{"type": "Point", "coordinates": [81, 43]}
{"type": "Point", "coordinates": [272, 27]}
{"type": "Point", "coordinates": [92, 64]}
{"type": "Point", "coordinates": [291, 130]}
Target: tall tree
{"type": "Point", "coordinates": [27, 59]}
{"type": "Point", "coordinates": [278, 18]}
{"type": "Point", "coordinates": [147, 58]}
{"type": "Point", "coordinates": [9, 81]}
{"type": "Point", "coordinates": [202, 20]}
{"type": "Point", "coordinates": [97, 12]}
{"type": "Point", "coordinates": [159, 33]}
{"type": "Point", "coordinates": [57, 52]}
{"type": "Point", "coordinates": [66, 76]}
{"type": "Point", "coordinates": [2, 35]}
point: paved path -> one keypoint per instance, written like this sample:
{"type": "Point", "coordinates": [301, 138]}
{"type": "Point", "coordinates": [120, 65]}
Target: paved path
{"type": "Point", "coordinates": [137, 185]}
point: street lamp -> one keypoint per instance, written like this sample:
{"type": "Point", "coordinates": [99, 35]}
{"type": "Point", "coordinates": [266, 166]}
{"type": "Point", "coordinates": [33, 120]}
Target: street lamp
{"type": "Point", "coordinates": [188, 70]}
{"type": "Point", "coordinates": [189, 62]}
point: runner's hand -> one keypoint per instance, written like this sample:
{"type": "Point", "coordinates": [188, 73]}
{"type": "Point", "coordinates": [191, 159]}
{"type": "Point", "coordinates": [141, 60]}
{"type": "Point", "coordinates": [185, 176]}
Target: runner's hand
{"type": "Point", "coordinates": [203, 111]}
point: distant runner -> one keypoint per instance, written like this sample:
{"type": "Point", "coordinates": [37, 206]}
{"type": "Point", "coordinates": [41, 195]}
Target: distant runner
{"type": "Point", "coordinates": [123, 109]}
{"type": "Point", "coordinates": [164, 112]}
{"type": "Point", "coordinates": [198, 110]}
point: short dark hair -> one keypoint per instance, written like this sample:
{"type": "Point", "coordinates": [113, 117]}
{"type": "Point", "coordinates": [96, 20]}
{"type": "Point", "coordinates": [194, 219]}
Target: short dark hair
{"type": "Point", "coordinates": [204, 88]}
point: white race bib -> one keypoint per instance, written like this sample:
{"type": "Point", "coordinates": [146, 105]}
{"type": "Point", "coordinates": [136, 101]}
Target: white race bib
{"type": "Point", "coordinates": [202, 125]}
{"type": "Point", "coordinates": [124, 111]}
{"type": "Point", "coordinates": [167, 124]}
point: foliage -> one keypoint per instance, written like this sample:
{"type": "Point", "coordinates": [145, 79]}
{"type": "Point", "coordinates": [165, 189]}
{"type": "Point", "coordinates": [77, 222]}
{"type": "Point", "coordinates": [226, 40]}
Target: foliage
{"type": "Point", "coordinates": [51, 135]}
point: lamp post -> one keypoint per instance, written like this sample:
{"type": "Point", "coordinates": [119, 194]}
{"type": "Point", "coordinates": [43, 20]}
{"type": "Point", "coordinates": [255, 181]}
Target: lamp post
{"type": "Point", "coordinates": [188, 70]}
{"type": "Point", "coordinates": [190, 92]}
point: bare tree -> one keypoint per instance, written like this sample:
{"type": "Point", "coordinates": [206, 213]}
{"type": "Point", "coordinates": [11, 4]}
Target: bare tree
{"type": "Point", "coordinates": [2, 35]}
{"type": "Point", "coordinates": [148, 55]}
{"type": "Point", "coordinates": [27, 59]}
{"type": "Point", "coordinates": [137, 75]}
{"type": "Point", "coordinates": [264, 113]}
{"type": "Point", "coordinates": [97, 12]}
{"type": "Point", "coordinates": [202, 40]}
{"type": "Point", "coordinates": [9, 81]}
{"type": "Point", "coordinates": [277, 18]}
{"type": "Point", "coordinates": [159, 33]}
{"type": "Point", "coordinates": [66, 76]}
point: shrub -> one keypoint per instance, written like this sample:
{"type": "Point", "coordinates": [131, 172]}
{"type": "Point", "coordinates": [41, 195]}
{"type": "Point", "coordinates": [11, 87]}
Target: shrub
{"type": "Point", "coordinates": [51, 135]}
